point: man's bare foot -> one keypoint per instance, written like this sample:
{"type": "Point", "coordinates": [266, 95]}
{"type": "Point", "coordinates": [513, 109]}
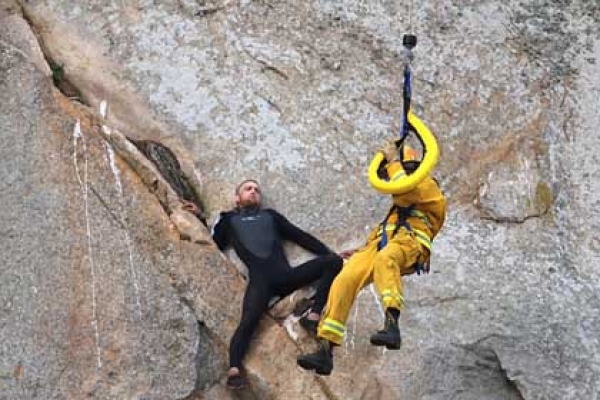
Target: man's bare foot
{"type": "Point", "coordinates": [235, 379]}
{"type": "Point", "coordinates": [313, 316]}
{"type": "Point", "coordinates": [310, 322]}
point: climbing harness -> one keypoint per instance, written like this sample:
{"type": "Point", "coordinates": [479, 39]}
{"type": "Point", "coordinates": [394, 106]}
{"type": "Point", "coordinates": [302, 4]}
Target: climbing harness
{"type": "Point", "coordinates": [390, 230]}
{"type": "Point", "coordinates": [410, 123]}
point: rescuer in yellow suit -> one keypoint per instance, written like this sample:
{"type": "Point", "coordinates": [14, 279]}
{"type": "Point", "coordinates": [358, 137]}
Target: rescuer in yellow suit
{"type": "Point", "coordinates": [399, 245]}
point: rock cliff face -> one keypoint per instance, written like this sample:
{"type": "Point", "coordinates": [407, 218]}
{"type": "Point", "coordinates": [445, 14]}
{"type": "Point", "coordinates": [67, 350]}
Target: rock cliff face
{"type": "Point", "coordinates": [109, 290]}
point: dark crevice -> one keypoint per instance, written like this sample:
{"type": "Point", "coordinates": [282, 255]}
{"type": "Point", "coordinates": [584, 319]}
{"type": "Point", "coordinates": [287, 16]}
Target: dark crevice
{"type": "Point", "coordinates": [169, 167]}
{"type": "Point", "coordinates": [512, 385]}
{"type": "Point", "coordinates": [61, 82]}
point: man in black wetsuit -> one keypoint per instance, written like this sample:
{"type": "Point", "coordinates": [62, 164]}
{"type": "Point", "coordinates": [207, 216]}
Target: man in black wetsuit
{"type": "Point", "coordinates": [257, 236]}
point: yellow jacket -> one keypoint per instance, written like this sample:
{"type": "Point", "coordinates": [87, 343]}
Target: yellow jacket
{"type": "Point", "coordinates": [428, 211]}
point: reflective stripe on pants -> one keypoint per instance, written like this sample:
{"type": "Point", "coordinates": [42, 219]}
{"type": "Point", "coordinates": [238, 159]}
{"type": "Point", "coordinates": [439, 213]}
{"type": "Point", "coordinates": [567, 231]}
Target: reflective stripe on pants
{"type": "Point", "coordinates": [383, 268]}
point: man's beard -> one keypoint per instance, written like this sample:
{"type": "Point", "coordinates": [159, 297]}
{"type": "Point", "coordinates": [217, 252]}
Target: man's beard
{"type": "Point", "coordinates": [250, 203]}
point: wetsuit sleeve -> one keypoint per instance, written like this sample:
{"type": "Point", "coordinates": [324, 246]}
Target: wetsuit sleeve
{"type": "Point", "coordinates": [221, 231]}
{"type": "Point", "coordinates": [294, 234]}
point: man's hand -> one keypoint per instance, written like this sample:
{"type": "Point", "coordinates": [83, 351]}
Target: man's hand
{"type": "Point", "coordinates": [390, 150]}
{"type": "Point", "coordinates": [191, 207]}
{"type": "Point", "coordinates": [347, 253]}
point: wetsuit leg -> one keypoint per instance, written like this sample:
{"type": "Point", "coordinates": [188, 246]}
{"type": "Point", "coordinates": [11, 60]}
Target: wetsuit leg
{"type": "Point", "coordinates": [255, 303]}
{"type": "Point", "coordinates": [323, 268]}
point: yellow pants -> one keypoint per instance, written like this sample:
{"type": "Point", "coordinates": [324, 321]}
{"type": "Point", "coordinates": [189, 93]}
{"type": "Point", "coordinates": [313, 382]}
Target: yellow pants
{"type": "Point", "coordinates": [367, 265]}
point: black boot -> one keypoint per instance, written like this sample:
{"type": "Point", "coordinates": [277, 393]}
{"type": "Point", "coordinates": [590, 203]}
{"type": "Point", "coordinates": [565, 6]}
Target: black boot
{"type": "Point", "coordinates": [321, 361]}
{"type": "Point", "coordinates": [390, 335]}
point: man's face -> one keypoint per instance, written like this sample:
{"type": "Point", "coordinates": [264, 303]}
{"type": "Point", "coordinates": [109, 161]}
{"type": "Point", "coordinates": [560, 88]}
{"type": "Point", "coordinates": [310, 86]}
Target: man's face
{"type": "Point", "coordinates": [248, 195]}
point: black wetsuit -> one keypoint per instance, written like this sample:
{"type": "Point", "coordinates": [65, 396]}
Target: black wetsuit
{"type": "Point", "coordinates": [257, 236]}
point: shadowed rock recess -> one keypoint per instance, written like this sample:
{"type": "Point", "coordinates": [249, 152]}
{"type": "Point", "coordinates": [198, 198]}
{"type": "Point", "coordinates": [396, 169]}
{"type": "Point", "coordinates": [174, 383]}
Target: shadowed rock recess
{"type": "Point", "coordinates": [114, 113]}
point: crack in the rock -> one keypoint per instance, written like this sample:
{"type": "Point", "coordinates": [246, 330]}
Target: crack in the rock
{"type": "Point", "coordinates": [272, 68]}
{"type": "Point", "coordinates": [439, 300]}
{"type": "Point", "coordinates": [265, 65]}
{"type": "Point", "coordinates": [270, 103]}
{"type": "Point", "coordinates": [169, 167]}
{"type": "Point", "coordinates": [107, 207]}
{"type": "Point", "coordinates": [59, 76]}
{"type": "Point", "coordinates": [514, 220]}
{"type": "Point", "coordinates": [207, 11]}
{"type": "Point", "coordinates": [568, 118]}
{"type": "Point", "coordinates": [490, 358]}
{"type": "Point", "coordinates": [202, 10]}
{"type": "Point", "coordinates": [198, 356]}
{"type": "Point", "coordinates": [181, 185]}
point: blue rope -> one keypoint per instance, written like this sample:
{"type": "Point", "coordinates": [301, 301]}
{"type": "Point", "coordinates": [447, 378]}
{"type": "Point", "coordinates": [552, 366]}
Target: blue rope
{"type": "Point", "coordinates": [406, 94]}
